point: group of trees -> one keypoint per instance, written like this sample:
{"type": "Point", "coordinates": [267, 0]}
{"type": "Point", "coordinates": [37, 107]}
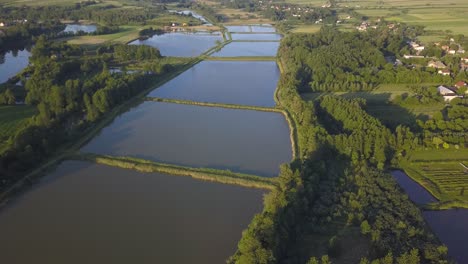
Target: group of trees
{"type": "Point", "coordinates": [337, 184]}
{"type": "Point", "coordinates": [103, 14]}
{"type": "Point", "coordinates": [448, 126]}
{"type": "Point", "coordinates": [70, 89]}
{"type": "Point", "coordinates": [353, 61]}
{"type": "Point", "coordinates": [21, 34]}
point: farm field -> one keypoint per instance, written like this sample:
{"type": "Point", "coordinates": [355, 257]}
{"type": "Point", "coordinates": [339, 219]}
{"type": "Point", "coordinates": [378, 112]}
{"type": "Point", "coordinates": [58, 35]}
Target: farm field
{"type": "Point", "coordinates": [126, 34]}
{"type": "Point", "coordinates": [437, 16]}
{"type": "Point", "coordinates": [11, 118]}
{"type": "Point", "coordinates": [446, 180]}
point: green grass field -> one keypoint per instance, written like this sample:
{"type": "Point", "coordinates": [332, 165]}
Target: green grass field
{"type": "Point", "coordinates": [446, 180]}
{"type": "Point", "coordinates": [435, 15]}
{"type": "Point", "coordinates": [11, 118]}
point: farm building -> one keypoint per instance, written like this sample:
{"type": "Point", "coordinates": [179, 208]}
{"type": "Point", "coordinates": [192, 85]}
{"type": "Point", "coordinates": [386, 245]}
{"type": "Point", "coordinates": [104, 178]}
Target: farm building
{"type": "Point", "coordinates": [444, 72]}
{"type": "Point", "coordinates": [436, 64]}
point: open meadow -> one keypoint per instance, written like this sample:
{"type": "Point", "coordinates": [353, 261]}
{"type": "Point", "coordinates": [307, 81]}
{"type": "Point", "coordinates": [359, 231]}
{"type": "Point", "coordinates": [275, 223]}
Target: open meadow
{"type": "Point", "coordinates": [12, 118]}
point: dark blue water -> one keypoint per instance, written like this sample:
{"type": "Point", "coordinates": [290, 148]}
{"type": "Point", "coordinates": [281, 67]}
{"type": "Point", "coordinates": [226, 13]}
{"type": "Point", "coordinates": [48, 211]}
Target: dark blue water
{"type": "Point", "coordinates": [236, 49]}
{"type": "Point", "coordinates": [451, 226]}
{"type": "Point", "coordinates": [231, 82]}
{"type": "Point", "coordinates": [239, 140]}
{"type": "Point", "coordinates": [182, 44]}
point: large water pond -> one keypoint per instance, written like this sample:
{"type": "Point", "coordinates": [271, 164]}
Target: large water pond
{"type": "Point", "coordinates": [259, 36]}
{"type": "Point", "coordinates": [12, 62]}
{"type": "Point", "coordinates": [254, 49]}
{"type": "Point", "coordinates": [265, 28]}
{"type": "Point", "coordinates": [451, 226]}
{"type": "Point", "coordinates": [89, 213]}
{"type": "Point", "coordinates": [232, 82]}
{"type": "Point", "coordinates": [238, 140]}
{"type": "Point", "coordinates": [182, 44]}
{"type": "Point", "coordinates": [262, 28]}
{"type": "Point", "coordinates": [75, 28]}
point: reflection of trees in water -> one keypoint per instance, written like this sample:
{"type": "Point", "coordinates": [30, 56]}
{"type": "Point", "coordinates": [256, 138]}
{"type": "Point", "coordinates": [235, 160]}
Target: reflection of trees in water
{"type": "Point", "coordinates": [2, 58]}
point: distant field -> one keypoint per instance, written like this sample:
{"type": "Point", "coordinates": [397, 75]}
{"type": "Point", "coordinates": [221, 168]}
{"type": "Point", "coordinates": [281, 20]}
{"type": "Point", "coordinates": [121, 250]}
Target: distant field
{"type": "Point", "coordinates": [237, 16]}
{"type": "Point", "coordinates": [306, 28]}
{"type": "Point", "coordinates": [11, 118]}
{"type": "Point", "coordinates": [126, 34]}
{"type": "Point", "coordinates": [435, 15]}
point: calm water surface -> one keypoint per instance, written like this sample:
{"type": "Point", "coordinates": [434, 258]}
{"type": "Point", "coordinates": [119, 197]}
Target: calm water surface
{"type": "Point", "coordinates": [12, 62]}
{"type": "Point", "coordinates": [90, 213]}
{"type": "Point", "coordinates": [239, 140]}
{"type": "Point", "coordinates": [233, 82]}
{"type": "Point", "coordinates": [451, 226]}
{"type": "Point", "coordinates": [236, 49]}
{"type": "Point", "coordinates": [75, 28]}
{"type": "Point", "coordinates": [262, 28]}
{"type": "Point", "coordinates": [182, 44]}
{"type": "Point", "coordinates": [416, 192]}
{"type": "Point", "coordinates": [259, 36]}
{"type": "Point", "coordinates": [244, 28]}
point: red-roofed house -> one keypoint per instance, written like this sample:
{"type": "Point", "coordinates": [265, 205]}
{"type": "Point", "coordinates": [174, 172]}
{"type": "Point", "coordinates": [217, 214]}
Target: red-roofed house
{"type": "Point", "coordinates": [461, 84]}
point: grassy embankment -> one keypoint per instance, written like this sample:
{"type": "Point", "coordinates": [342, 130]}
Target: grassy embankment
{"type": "Point", "coordinates": [442, 174]}
{"type": "Point", "coordinates": [242, 58]}
{"type": "Point", "coordinates": [221, 105]}
{"type": "Point", "coordinates": [205, 174]}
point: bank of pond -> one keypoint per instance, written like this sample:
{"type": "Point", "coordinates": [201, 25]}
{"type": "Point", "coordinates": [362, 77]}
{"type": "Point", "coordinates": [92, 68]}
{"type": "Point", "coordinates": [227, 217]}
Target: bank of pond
{"type": "Point", "coordinates": [450, 226]}
{"type": "Point", "coordinates": [90, 213]}
{"type": "Point", "coordinates": [231, 139]}
{"type": "Point", "coordinates": [13, 62]}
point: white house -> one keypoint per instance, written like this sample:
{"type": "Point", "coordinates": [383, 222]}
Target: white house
{"type": "Point", "coordinates": [444, 72]}
{"type": "Point", "coordinates": [443, 90]}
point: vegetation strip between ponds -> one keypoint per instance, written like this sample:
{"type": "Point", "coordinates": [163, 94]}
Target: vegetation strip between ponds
{"type": "Point", "coordinates": [242, 58]}
{"type": "Point", "coordinates": [205, 174]}
{"type": "Point", "coordinates": [229, 106]}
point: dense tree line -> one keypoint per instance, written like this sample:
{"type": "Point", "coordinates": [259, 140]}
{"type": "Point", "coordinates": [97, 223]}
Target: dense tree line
{"type": "Point", "coordinates": [337, 184]}
{"type": "Point", "coordinates": [103, 14]}
{"type": "Point", "coordinates": [21, 34]}
{"type": "Point", "coordinates": [446, 127]}
{"type": "Point", "coordinates": [352, 61]}
{"type": "Point", "coordinates": [70, 90]}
